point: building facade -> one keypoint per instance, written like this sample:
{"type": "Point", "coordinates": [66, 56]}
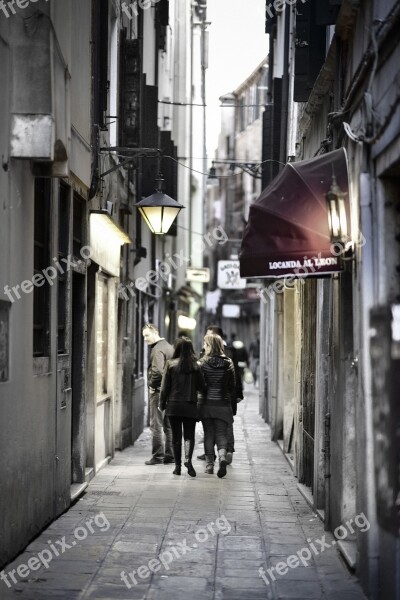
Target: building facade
{"type": "Point", "coordinates": [231, 190]}
{"type": "Point", "coordinates": [330, 345]}
{"type": "Point", "coordinates": [95, 107]}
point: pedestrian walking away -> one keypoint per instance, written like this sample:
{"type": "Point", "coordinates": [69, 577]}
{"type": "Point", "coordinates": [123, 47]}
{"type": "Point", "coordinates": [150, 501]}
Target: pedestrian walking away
{"type": "Point", "coordinates": [237, 397]}
{"type": "Point", "coordinates": [241, 353]}
{"type": "Point", "coordinates": [254, 352]}
{"type": "Point", "coordinates": [182, 380]}
{"type": "Point", "coordinates": [214, 407]}
{"type": "Point", "coordinates": [161, 351]}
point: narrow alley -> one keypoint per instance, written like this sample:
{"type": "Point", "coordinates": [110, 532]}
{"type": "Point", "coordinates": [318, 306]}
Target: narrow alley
{"type": "Point", "coordinates": [180, 537]}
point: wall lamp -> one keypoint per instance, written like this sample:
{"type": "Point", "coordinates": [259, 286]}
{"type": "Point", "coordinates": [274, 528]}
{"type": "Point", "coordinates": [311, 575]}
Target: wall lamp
{"type": "Point", "coordinates": [338, 221]}
{"type": "Point", "coordinates": [159, 210]}
{"type": "Point", "coordinates": [337, 213]}
{"type": "Point", "coordinates": [109, 228]}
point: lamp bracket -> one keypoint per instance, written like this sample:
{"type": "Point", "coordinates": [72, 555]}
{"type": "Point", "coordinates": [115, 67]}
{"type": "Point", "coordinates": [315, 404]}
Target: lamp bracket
{"type": "Point", "coordinates": [252, 168]}
{"type": "Point", "coordinates": [127, 149]}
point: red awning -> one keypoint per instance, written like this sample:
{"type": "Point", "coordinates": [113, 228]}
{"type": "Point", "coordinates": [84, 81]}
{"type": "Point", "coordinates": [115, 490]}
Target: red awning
{"type": "Point", "coordinates": [288, 230]}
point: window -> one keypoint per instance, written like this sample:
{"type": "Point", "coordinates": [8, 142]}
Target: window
{"type": "Point", "coordinates": [139, 349]}
{"type": "Point", "coordinates": [113, 81]}
{"type": "Point", "coordinates": [100, 62]}
{"type": "Point", "coordinates": [41, 260]}
{"type": "Point", "coordinates": [63, 252]}
{"type": "Point", "coordinates": [102, 335]}
{"type": "Point", "coordinates": [79, 226]}
{"type": "Point", "coordinates": [4, 340]}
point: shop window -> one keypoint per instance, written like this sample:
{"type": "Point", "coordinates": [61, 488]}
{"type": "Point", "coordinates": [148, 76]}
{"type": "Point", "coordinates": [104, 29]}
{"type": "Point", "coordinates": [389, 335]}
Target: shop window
{"type": "Point", "coordinates": [41, 260]}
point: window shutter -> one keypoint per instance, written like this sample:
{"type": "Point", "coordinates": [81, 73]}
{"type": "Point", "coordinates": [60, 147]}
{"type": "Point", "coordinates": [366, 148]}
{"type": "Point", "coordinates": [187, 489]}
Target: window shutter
{"type": "Point", "coordinates": [150, 136]}
{"type": "Point", "coordinates": [130, 78]}
{"type": "Point", "coordinates": [310, 47]}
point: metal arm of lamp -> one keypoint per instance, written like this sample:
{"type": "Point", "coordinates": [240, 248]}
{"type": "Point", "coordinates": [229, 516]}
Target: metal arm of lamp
{"type": "Point", "coordinates": [158, 210]}
{"type": "Point", "coordinates": [252, 168]}
{"type": "Point", "coordinates": [137, 153]}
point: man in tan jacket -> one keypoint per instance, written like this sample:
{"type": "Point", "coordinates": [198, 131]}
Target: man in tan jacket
{"type": "Point", "coordinates": [161, 351]}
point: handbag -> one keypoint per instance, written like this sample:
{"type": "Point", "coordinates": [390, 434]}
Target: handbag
{"type": "Point", "coordinates": [247, 375]}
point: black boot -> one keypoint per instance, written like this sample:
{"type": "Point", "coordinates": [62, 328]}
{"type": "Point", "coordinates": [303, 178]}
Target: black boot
{"type": "Point", "coordinates": [204, 457]}
{"type": "Point", "coordinates": [189, 447]}
{"type": "Point", "coordinates": [222, 463]}
{"type": "Point", "coordinates": [178, 458]}
{"type": "Point", "coordinates": [209, 464]}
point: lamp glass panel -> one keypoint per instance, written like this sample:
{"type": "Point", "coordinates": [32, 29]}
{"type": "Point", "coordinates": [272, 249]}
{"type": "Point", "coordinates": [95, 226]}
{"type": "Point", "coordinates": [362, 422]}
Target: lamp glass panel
{"type": "Point", "coordinates": [169, 216]}
{"type": "Point", "coordinates": [343, 219]}
{"type": "Point", "coordinates": [159, 218]}
{"type": "Point", "coordinates": [334, 219]}
{"type": "Point", "coordinates": [153, 216]}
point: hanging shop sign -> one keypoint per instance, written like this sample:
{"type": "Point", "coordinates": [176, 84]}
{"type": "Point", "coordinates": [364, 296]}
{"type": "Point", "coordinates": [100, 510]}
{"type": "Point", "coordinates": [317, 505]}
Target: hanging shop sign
{"type": "Point", "coordinates": [229, 275]}
{"type": "Point", "coordinates": [231, 311]}
{"type": "Point", "coordinates": [199, 275]}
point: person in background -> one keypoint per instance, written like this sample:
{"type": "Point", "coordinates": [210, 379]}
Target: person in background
{"type": "Point", "coordinates": [254, 352]}
{"type": "Point", "coordinates": [161, 351]}
{"type": "Point", "coordinates": [230, 352]}
{"type": "Point", "coordinates": [181, 381]}
{"type": "Point", "coordinates": [214, 407]}
{"type": "Point", "coordinates": [241, 353]}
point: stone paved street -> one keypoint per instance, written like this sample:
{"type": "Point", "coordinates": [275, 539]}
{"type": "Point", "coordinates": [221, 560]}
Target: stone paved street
{"type": "Point", "coordinates": [255, 516]}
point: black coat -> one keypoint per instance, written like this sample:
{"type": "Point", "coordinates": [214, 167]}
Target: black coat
{"type": "Point", "coordinates": [178, 395]}
{"type": "Point", "coordinates": [219, 375]}
{"type": "Point", "coordinates": [230, 352]}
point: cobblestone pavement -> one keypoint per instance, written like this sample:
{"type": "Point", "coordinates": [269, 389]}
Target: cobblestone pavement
{"type": "Point", "coordinates": [212, 535]}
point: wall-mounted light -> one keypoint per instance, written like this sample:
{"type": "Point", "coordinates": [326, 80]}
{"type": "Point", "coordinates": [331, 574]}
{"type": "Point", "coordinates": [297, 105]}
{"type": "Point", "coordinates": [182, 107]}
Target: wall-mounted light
{"type": "Point", "coordinates": [159, 210]}
{"type": "Point", "coordinates": [106, 226]}
{"type": "Point", "coordinates": [337, 213]}
{"type": "Point", "coordinates": [186, 323]}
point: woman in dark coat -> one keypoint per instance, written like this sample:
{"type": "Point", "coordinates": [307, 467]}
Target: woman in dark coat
{"type": "Point", "coordinates": [182, 379]}
{"type": "Point", "coordinates": [214, 407]}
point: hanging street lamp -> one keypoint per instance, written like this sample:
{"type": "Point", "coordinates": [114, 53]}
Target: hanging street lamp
{"type": "Point", "coordinates": [212, 179]}
{"type": "Point", "coordinates": [159, 210]}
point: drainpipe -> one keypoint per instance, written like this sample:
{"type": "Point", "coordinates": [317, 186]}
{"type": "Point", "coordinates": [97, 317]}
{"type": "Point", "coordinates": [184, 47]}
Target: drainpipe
{"type": "Point", "coordinates": [368, 295]}
{"type": "Point", "coordinates": [327, 469]}
{"type": "Point", "coordinates": [191, 129]}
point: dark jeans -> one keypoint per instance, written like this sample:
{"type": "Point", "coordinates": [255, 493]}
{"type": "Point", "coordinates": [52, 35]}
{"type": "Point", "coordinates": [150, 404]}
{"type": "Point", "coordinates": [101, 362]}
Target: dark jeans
{"type": "Point", "coordinates": [215, 430]}
{"type": "Point", "coordinates": [231, 439]}
{"type": "Point", "coordinates": [158, 424]}
{"type": "Point", "coordinates": [188, 425]}
{"type": "Point", "coordinates": [230, 443]}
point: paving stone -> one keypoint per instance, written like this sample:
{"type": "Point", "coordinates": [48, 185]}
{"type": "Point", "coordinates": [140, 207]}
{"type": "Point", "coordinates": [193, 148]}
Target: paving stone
{"type": "Point", "coordinates": [299, 589]}
{"type": "Point", "coordinates": [264, 520]}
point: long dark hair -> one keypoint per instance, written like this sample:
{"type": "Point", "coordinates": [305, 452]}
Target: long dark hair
{"type": "Point", "coordinates": [183, 349]}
